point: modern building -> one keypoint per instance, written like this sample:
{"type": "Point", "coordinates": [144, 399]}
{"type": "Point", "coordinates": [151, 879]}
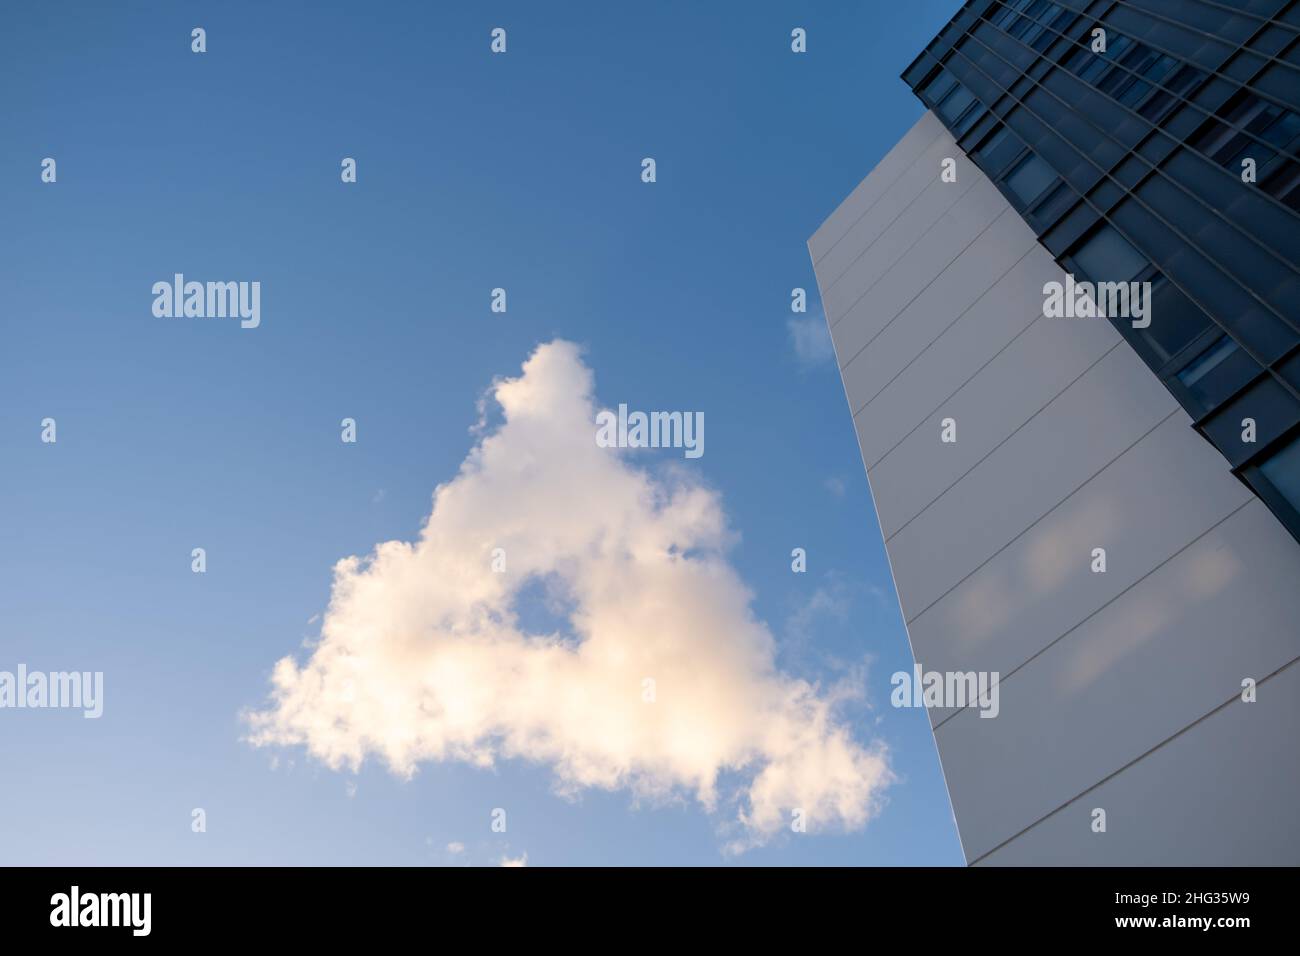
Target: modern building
{"type": "Point", "coordinates": [1113, 141]}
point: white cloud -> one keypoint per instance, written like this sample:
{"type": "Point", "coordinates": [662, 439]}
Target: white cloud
{"type": "Point", "coordinates": [422, 656]}
{"type": "Point", "coordinates": [455, 848]}
{"type": "Point", "coordinates": [518, 861]}
{"type": "Point", "coordinates": [811, 339]}
{"type": "Point", "coordinates": [832, 600]}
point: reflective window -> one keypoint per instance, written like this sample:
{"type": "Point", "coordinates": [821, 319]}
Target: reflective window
{"type": "Point", "coordinates": [1284, 183]}
{"type": "Point", "coordinates": [1130, 71]}
{"type": "Point", "coordinates": [1054, 204]}
{"type": "Point", "coordinates": [1218, 372]}
{"type": "Point", "coordinates": [1028, 178]}
{"type": "Point", "coordinates": [1106, 256]}
{"type": "Point", "coordinates": [1282, 469]}
{"type": "Point", "coordinates": [1207, 361]}
{"type": "Point", "coordinates": [1255, 122]}
{"type": "Point", "coordinates": [955, 103]}
{"type": "Point", "coordinates": [1183, 80]}
{"type": "Point", "coordinates": [1271, 123]}
{"type": "Point", "coordinates": [968, 119]}
{"type": "Point", "coordinates": [1090, 66]}
{"type": "Point", "coordinates": [1026, 29]}
{"type": "Point", "coordinates": [1131, 91]}
{"type": "Point", "coordinates": [1175, 320]}
{"type": "Point", "coordinates": [999, 149]}
{"type": "Point", "coordinates": [1008, 11]}
{"type": "Point", "coordinates": [1054, 17]}
{"type": "Point", "coordinates": [940, 86]}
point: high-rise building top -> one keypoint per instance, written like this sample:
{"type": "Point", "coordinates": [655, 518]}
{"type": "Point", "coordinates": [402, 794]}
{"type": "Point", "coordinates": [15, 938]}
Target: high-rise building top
{"type": "Point", "coordinates": [1156, 141]}
{"type": "Point", "coordinates": [1059, 529]}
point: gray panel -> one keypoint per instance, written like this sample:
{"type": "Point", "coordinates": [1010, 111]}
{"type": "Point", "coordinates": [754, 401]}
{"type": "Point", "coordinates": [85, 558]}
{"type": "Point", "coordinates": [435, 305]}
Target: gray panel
{"type": "Point", "coordinates": [1139, 671]}
{"type": "Point", "coordinates": [896, 162]}
{"type": "Point", "coordinates": [1156, 499]}
{"type": "Point", "coordinates": [1224, 793]}
{"type": "Point", "coordinates": [956, 229]}
{"type": "Point", "coordinates": [1026, 377]}
{"type": "Point", "coordinates": [1080, 432]}
{"type": "Point", "coordinates": [957, 289]}
{"type": "Point", "coordinates": [918, 389]}
{"type": "Point", "coordinates": [899, 220]}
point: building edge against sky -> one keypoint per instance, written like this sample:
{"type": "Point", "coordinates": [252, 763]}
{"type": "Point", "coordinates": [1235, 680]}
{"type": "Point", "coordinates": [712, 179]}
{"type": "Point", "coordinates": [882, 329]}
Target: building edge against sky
{"type": "Point", "coordinates": [1121, 691]}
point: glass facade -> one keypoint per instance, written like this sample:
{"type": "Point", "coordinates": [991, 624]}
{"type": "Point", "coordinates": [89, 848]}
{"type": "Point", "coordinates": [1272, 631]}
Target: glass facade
{"type": "Point", "coordinates": [1156, 141]}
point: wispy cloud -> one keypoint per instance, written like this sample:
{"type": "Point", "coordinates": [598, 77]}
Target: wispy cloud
{"type": "Point", "coordinates": [830, 601]}
{"type": "Point", "coordinates": [517, 861]}
{"type": "Point", "coordinates": [810, 339]}
{"type": "Point", "coordinates": [663, 682]}
{"type": "Point", "coordinates": [825, 618]}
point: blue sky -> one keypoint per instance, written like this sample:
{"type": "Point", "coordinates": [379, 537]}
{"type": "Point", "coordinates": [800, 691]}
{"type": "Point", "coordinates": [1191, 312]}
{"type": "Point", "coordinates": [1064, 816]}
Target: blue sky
{"type": "Point", "coordinates": [474, 171]}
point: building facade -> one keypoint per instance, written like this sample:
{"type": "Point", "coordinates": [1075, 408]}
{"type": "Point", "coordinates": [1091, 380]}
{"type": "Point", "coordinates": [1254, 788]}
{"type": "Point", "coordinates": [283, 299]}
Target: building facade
{"type": "Point", "coordinates": [1104, 511]}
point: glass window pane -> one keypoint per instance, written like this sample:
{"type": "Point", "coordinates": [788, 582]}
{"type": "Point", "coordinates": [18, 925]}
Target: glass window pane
{"type": "Point", "coordinates": [1157, 68]}
{"type": "Point", "coordinates": [1234, 145]}
{"type": "Point", "coordinates": [1262, 118]}
{"type": "Point", "coordinates": [1008, 11]}
{"type": "Point", "coordinates": [1283, 180]}
{"type": "Point", "coordinates": [1133, 92]}
{"type": "Point", "coordinates": [1077, 60]}
{"type": "Point", "coordinates": [1212, 138]}
{"type": "Point", "coordinates": [1218, 373]}
{"type": "Point", "coordinates": [1026, 28]}
{"type": "Point", "coordinates": [1095, 67]}
{"type": "Point", "coordinates": [1153, 107]}
{"type": "Point", "coordinates": [1108, 257]}
{"type": "Point", "coordinates": [968, 119]}
{"type": "Point", "coordinates": [1139, 57]}
{"type": "Point", "coordinates": [1091, 65]}
{"type": "Point", "coordinates": [1062, 19]}
{"type": "Point", "coordinates": [1175, 321]}
{"type": "Point", "coordinates": [940, 86]}
{"type": "Point", "coordinates": [1029, 178]}
{"type": "Point", "coordinates": [1052, 13]}
{"type": "Point", "coordinates": [1184, 79]}
{"type": "Point", "coordinates": [1250, 149]}
{"type": "Point", "coordinates": [998, 150]}
{"type": "Point", "coordinates": [1282, 470]}
{"type": "Point", "coordinates": [1240, 107]}
{"type": "Point", "coordinates": [1113, 80]}
{"type": "Point", "coordinates": [1283, 129]}
{"type": "Point", "coordinates": [954, 103]}
{"type": "Point", "coordinates": [1030, 33]}
{"type": "Point", "coordinates": [1207, 360]}
{"type": "Point", "coordinates": [1054, 204]}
